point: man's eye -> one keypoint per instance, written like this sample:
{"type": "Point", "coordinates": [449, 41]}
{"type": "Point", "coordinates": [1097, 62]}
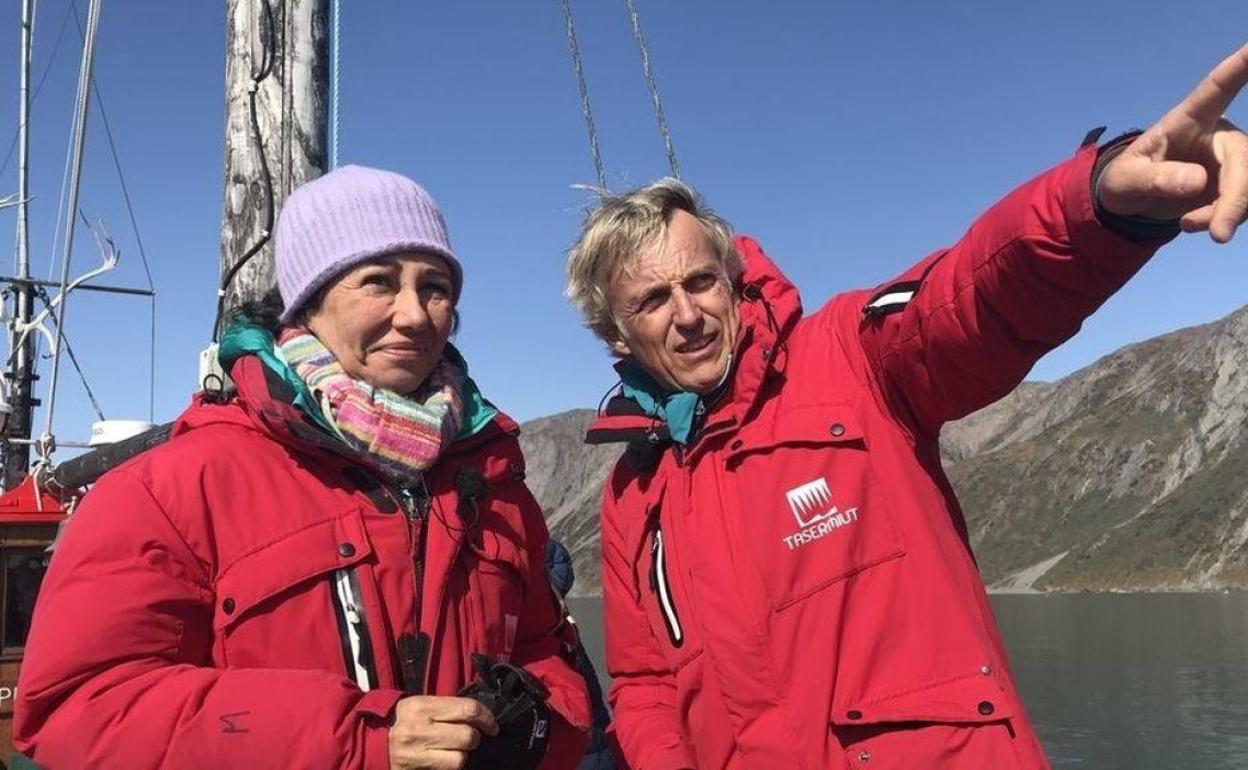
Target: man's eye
{"type": "Point", "coordinates": [373, 280]}
{"type": "Point", "coordinates": [435, 290]}
{"type": "Point", "coordinates": [652, 302]}
{"type": "Point", "coordinates": [701, 282]}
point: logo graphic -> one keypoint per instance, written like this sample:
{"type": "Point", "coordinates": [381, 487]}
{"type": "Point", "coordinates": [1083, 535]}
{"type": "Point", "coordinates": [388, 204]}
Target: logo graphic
{"type": "Point", "coordinates": [811, 504]}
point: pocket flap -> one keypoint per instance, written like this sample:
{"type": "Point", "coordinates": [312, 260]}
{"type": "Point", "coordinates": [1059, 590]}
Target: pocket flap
{"type": "Point", "coordinates": [315, 550]}
{"type": "Point", "coordinates": [833, 423]}
{"type": "Point", "coordinates": [971, 698]}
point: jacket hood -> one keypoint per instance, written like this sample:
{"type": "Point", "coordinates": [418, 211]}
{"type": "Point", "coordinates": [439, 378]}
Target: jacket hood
{"type": "Point", "coordinates": [769, 308]}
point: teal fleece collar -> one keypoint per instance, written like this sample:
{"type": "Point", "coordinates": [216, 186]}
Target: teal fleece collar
{"type": "Point", "coordinates": [242, 338]}
{"type": "Point", "coordinates": [677, 409]}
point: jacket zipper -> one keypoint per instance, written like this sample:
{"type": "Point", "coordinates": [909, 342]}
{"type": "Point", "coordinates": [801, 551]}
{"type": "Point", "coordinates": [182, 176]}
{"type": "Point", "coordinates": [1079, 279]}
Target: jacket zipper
{"type": "Point", "coordinates": [416, 503]}
{"type": "Point", "coordinates": [660, 585]}
{"type": "Point", "coordinates": [353, 629]}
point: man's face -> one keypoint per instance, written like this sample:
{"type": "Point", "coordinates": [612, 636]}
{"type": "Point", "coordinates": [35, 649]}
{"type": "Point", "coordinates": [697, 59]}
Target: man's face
{"type": "Point", "coordinates": [675, 310]}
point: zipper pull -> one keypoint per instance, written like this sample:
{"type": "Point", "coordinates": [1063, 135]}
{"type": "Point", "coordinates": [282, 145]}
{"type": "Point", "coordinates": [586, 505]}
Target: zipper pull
{"type": "Point", "coordinates": [353, 615]}
{"type": "Point", "coordinates": [415, 501]}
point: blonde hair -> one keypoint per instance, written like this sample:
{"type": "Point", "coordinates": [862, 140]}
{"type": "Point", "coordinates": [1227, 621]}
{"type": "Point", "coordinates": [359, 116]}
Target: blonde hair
{"type": "Point", "coordinates": [615, 233]}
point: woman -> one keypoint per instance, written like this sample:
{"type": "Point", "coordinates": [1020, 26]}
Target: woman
{"type": "Point", "coordinates": [302, 576]}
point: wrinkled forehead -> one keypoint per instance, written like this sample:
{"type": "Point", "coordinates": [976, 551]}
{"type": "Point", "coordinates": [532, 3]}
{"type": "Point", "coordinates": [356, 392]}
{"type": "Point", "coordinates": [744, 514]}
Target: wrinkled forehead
{"type": "Point", "coordinates": [670, 252]}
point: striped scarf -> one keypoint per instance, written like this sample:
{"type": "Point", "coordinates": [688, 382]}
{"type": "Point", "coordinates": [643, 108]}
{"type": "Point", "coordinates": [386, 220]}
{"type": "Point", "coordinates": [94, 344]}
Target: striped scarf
{"type": "Point", "coordinates": [402, 435]}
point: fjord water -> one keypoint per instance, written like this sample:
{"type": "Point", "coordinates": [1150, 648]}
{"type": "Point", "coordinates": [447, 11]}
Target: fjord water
{"type": "Point", "coordinates": [1114, 681]}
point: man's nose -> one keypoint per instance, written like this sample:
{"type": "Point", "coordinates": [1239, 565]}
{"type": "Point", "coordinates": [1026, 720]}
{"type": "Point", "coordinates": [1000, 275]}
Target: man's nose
{"type": "Point", "coordinates": [685, 312]}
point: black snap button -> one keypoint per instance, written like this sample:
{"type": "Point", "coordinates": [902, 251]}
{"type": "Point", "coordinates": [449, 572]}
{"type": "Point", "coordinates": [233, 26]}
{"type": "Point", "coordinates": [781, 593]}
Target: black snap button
{"type": "Point", "coordinates": [346, 549]}
{"type": "Point", "coordinates": [766, 354]}
{"type": "Point", "coordinates": [986, 708]}
{"type": "Point", "coordinates": [854, 714]}
{"type": "Point", "coordinates": [837, 429]}
{"type": "Point", "coordinates": [737, 444]}
{"type": "Point", "coordinates": [227, 606]}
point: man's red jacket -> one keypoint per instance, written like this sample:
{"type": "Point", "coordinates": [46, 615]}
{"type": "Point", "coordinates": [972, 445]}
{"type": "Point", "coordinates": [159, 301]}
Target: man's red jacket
{"type": "Point", "coordinates": [796, 589]}
{"type": "Point", "coordinates": [223, 601]}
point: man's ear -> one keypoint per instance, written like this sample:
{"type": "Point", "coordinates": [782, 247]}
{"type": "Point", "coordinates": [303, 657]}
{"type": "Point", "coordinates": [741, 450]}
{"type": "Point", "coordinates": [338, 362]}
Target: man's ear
{"type": "Point", "coordinates": [619, 346]}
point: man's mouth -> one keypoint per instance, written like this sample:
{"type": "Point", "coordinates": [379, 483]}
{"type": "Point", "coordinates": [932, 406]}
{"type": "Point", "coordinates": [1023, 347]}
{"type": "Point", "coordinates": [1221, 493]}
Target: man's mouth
{"type": "Point", "coordinates": [696, 345]}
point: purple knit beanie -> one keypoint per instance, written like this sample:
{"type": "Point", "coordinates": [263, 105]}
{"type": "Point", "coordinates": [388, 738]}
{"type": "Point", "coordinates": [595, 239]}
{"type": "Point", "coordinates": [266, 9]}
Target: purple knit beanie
{"type": "Point", "coordinates": [349, 216]}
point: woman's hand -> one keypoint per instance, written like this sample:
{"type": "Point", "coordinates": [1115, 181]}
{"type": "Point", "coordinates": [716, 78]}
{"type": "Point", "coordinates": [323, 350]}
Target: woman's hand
{"type": "Point", "coordinates": [437, 732]}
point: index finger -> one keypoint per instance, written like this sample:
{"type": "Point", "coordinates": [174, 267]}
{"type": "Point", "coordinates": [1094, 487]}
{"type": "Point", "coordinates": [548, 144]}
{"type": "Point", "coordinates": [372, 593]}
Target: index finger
{"type": "Point", "coordinates": [465, 711]}
{"type": "Point", "coordinates": [1218, 89]}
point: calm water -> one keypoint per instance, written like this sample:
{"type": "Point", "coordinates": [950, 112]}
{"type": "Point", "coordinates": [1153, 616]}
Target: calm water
{"type": "Point", "coordinates": [1150, 682]}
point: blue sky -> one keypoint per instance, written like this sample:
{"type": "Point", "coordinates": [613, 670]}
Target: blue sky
{"type": "Point", "coordinates": [850, 138]}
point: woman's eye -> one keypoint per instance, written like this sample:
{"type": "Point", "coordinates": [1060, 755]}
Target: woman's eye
{"type": "Point", "coordinates": [375, 281]}
{"type": "Point", "coordinates": [436, 290]}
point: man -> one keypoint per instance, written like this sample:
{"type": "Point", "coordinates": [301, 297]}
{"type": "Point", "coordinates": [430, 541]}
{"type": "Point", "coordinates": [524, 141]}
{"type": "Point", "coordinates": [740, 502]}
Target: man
{"type": "Point", "coordinates": [787, 577]}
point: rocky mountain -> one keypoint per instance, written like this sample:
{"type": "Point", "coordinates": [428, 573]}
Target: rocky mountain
{"type": "Point", "coordinates": [1131, 474]}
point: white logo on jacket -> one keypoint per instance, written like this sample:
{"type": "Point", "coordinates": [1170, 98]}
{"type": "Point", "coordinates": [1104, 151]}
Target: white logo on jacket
{"type": "Point", "coordinates": [811, 504]}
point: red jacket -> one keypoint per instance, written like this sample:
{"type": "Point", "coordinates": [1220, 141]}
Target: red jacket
{"type": "Point", "coordinates": [215, 601]}
{"type": "Point", "coordinates": [796, 589]}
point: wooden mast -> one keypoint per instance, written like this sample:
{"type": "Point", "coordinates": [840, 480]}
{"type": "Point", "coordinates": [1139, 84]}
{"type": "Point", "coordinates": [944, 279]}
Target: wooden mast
{"type": "Point", "coordinates": [292, 37]}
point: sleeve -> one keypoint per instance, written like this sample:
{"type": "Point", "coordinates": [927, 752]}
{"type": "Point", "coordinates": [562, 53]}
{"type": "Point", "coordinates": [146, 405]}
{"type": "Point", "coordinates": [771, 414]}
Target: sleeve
{"type": "Point", "coordinates": [962, 328]}
{"type": "Point", "coordinates": [643, 688]}
{"type": "Point", "coordinates": [539, 650]}
{"type": "Point", "coordinates": [118, 673]}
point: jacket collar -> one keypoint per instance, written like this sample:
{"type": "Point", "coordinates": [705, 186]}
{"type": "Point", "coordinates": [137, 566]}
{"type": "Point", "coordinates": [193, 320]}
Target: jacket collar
{"type": "Point", "coordinates": [769, 308]}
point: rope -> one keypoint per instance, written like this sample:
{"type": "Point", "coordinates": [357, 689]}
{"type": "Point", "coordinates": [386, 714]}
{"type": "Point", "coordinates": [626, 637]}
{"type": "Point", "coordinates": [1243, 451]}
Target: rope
{"type": "Point", "coordinates": [654, 89]}
{"type": "Point", "coordinates": [333, 93]}
{"type": "Point", "coordinates": [575, 50]}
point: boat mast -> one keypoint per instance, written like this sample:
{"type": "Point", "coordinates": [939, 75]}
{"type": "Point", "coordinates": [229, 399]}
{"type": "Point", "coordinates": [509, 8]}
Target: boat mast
{"type": "Point", "coordinates": [16, 455]}
{"type": "Point", "coordinates": [286, 145]}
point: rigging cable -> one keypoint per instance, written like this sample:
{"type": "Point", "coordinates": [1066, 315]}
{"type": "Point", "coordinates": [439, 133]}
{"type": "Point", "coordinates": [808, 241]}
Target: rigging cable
{"type": "Point", "coordinates": [82, 103]}
{"type": "Point", "coordinates": [578, 69]}
{"type": "Point", "coordinates": [333, 92]}
{"type": "Point", "coordinates": [73, 359]}
{"type": "Point", "coordinates": [125, 192]}
{"type": "Point", "coordinates": [654, 88]}
{"type": "Point", "coordinates": [38, 87]}
{"type": "Point", "coordinates": [266, 68]}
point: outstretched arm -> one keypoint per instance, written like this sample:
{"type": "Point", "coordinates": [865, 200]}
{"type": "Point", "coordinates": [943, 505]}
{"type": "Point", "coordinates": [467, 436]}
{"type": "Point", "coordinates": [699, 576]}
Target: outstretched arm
{"type": "Point", "coordinates": [1020, 282]}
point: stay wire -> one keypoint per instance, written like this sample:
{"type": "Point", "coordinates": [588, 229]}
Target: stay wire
{"type": "Point", "coordinates": [266, 68]}
{"type": "Point", "coordinates": [82, 104]}
{"type": "Point", "coordinates": [73, 359]}
{"type": "Point", "coordinates": [125, 193]}
{"type": "Point", "coordinates": [578, 69]}
{"type": "Point", "coordinates": [648, 71]}
{"type": "Point", "coordinates": [56, 46]}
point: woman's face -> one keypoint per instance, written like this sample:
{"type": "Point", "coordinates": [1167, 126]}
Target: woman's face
{"type": "Point", "coordinates": [387, 320]}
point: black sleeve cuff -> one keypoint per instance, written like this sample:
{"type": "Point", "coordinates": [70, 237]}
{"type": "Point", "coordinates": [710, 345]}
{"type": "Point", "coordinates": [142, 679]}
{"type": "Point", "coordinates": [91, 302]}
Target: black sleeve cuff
{"type": "Point", "coordinates": [1134, 229]}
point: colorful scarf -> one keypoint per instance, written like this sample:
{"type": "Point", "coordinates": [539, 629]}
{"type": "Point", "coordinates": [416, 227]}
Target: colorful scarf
{"type": "Point", "coordinates": [402, 435]}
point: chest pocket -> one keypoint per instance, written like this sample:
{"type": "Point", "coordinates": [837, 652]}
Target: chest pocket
{"type": "Point", "coordinates": [662, 590]}
{"type": "Point", "coordinates": [813, 503]}
{"type": "Point", "coordinates": [285, 589]}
